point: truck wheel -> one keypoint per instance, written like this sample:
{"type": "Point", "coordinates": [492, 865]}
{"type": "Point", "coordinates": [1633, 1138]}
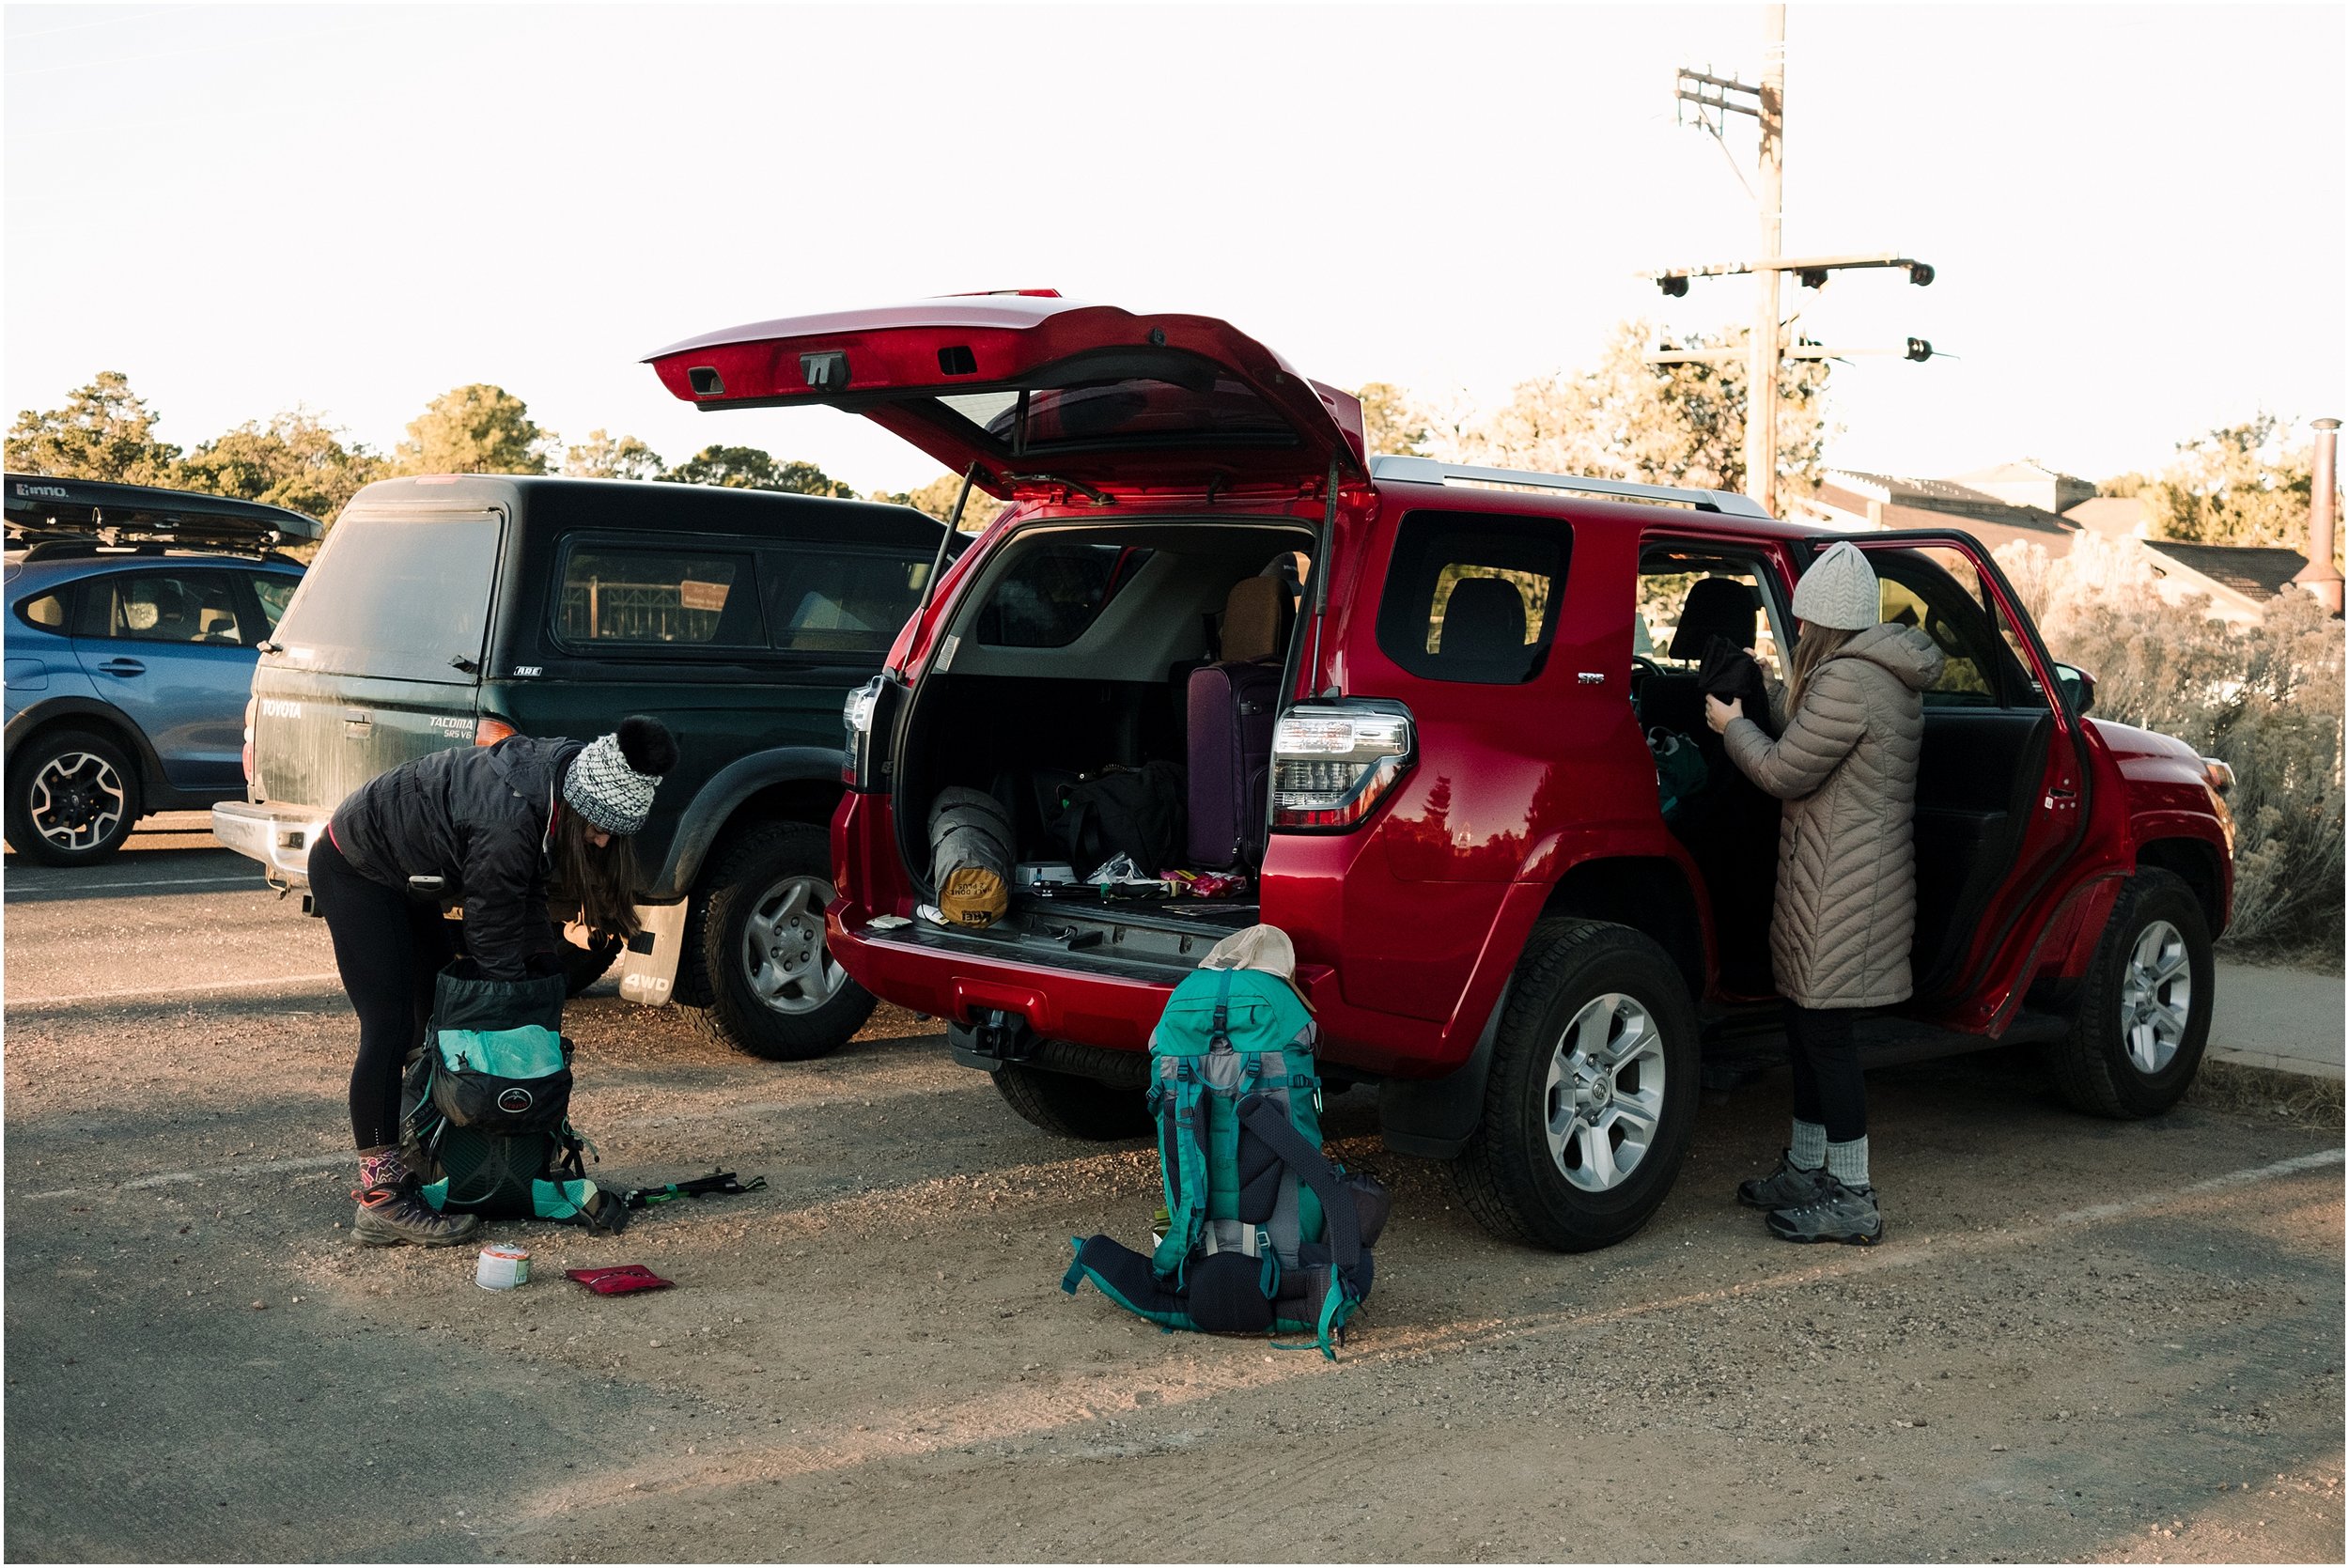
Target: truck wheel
{"type": "Point", "coordinates": [2137, 1037]}
{"type": "Point", "coordinates": [757, 929]}
{"type": "Point", "coordinates": [1593, 1093]}
{"type": "Point", "coordinates": [73, 799]}
{"type": "Point", "coordinates": [1071, 1107]}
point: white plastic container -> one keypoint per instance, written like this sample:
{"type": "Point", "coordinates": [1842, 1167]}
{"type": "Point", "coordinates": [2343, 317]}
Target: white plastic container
{"type": "Point", "coordinates": [501, 1267]}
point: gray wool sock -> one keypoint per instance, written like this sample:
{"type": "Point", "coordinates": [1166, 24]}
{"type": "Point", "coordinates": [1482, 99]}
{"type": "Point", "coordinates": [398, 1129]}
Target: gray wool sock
{"type": "Point", "coordinates": [1807, 1149]}
{"type": "Point", "coordinates": [1848, 1162]}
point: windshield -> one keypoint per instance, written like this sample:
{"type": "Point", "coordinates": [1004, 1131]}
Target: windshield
{"type": "Point", "coordinates": [404, 595]}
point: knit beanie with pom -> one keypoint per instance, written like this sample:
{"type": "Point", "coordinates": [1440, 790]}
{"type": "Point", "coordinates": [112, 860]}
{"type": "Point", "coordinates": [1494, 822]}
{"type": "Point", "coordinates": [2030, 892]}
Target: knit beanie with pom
{"type": "Point", "coordinates": [610, 780]}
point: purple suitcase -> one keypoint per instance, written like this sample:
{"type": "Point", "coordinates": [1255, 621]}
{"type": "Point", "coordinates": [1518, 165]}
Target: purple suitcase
{"type": "Point", "coordinates": [1229, 722]}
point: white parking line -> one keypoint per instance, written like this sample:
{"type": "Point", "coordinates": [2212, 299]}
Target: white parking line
{"type": "Point", "coordinates": [272, 984]}
{"type": "Point", "coordinates": [2232, 1178]}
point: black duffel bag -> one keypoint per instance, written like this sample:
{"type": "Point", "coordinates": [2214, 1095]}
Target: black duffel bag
{"type": "Point", "coordinates": [1122, 811]}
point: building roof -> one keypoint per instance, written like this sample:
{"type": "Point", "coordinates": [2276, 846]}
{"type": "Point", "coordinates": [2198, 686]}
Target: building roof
{"type": "Point", "coordinates": [1947, 495]}
{"type": "Point", "coordinates": [2113, 516]}
{"type": "Point", "coordinates": [2258, 573]}
{"type": "Point", "coordinates": [2024, 468]}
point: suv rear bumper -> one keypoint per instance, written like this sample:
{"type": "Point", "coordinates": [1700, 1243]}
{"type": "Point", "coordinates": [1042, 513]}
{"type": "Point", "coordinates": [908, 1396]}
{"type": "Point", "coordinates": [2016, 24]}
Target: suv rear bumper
{"type": "Point", "coordinates": [277, 836]}
{"type": "Point", "coordinates": [900, 963]}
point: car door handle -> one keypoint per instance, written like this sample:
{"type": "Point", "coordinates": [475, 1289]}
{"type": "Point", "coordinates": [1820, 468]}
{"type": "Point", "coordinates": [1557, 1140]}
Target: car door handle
{"type": "Point", "coordinates": [122, 667]}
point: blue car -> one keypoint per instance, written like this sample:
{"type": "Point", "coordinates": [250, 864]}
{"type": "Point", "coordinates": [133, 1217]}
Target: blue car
{"type": "Point", "coordinates": [135, 618]}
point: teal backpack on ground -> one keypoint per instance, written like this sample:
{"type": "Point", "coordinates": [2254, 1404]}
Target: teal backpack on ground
{"type": "Point", "coordinates": [486, 1104]}
{"type": "Point", "coordinates": [1263, 1234]}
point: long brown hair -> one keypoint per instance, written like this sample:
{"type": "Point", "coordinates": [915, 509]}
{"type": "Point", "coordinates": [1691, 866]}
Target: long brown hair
{"type": "Point", "coordinates": [603, 882]}
{"type": "Point", "coordinates": [1817, 644]}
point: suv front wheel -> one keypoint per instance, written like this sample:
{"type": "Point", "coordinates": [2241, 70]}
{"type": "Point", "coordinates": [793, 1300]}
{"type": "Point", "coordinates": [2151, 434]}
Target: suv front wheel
{"type": "Point", "coordinates": [2144, 1010]}
{"type": "Point", "coordinates": [757, 931]}
{"type": "Point", "coordinates": [1592, 1091]}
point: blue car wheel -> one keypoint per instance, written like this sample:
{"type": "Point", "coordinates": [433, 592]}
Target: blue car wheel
{"type": "Point", "coordinates": [73, 799]}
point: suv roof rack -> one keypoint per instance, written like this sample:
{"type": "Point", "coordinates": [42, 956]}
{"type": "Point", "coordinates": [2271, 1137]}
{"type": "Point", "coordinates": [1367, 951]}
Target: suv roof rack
{"type": "Point", "coordinates": [1431, 471]}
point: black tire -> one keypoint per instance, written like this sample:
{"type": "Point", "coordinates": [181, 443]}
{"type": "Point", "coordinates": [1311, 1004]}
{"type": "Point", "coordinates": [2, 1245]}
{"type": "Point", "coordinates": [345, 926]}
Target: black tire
{"type": "Point", "coordinates": [583, 965]}
{"type": "Point", "coordinates": [1070, 1107]}
{"type": "Point", "coordinates": [744, 882]}
{"type": "Point", "coordinates": [1508, 1177]}
{"type": "Point", "coordinates": [70, 786]}
{"type": "Point", "coordinates": [2094, 1065]}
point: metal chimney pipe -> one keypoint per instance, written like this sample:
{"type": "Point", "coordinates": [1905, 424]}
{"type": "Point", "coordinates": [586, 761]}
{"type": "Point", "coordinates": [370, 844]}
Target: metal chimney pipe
{"type": "Point", "coordinates": [2320, 576]}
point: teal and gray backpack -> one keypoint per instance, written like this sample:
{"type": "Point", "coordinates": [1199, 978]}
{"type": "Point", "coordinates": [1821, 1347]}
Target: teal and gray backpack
{"type": "Point", "coordinates": [1263, 1234]}
{"type": "Point", "coordinates": [486, 1105]}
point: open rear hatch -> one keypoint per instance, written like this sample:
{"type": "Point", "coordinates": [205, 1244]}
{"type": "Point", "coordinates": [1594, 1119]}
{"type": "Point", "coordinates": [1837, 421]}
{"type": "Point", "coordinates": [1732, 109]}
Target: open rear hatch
{"type": "Point", "coordinates": [1036, 396]}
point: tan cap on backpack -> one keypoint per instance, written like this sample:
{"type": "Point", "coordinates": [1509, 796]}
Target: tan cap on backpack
{"type": "Point", "coordinates": [1264, 948]}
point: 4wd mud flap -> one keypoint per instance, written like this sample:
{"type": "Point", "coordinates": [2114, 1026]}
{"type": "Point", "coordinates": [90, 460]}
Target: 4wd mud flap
{"type": "Point", "coordinates": [649, 965]}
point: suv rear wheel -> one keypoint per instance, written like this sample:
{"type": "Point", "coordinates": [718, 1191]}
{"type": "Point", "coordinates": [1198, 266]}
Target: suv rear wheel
{"type": "Point", "coordinates": [72, 798]}
{"type": "Point", "coordinates": [757, 930]}
{"type": "Point", "coordinates": [2145, 1012]}
{"type": "Point", "coordinates": [1592, 1091]}
{"type": "Point", "coordinates": [1068, 1106]}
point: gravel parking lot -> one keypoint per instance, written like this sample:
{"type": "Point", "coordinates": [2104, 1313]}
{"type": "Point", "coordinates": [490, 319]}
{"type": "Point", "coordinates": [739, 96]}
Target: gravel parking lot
{"type": "Point", "coordinates": [2082, 1339]}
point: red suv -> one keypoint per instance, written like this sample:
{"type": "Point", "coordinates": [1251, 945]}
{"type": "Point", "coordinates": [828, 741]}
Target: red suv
{"type": "Point", "coordinates": [1521, 907]}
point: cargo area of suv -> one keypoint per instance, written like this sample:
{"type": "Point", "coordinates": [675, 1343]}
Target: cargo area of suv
{"type": "Point", "coordinates": [1072, 654]}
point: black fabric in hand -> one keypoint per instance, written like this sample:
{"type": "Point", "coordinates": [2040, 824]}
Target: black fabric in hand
{"type": "Point", "coordinates": [1728, 672]}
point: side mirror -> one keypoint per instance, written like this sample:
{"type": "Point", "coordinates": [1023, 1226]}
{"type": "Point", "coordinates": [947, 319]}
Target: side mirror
{"type": "Point", "coordinates": [2079, 687]}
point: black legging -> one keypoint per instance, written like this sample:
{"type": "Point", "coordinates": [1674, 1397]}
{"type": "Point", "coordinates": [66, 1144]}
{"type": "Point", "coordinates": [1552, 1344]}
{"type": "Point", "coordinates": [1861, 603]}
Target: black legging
{"type": "Point", "coordinates": [388, 947]}
{"type": "Point", "coordinates": [1828, 1089]}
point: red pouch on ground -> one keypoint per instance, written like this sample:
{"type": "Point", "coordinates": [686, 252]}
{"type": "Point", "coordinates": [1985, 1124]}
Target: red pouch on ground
{"type": "Point", "coordinates": [619, 1280]}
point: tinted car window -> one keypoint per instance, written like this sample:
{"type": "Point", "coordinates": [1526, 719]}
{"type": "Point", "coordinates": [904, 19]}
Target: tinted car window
{"type": "Point", "coordinates": [1471, 597]}
{"type": "Point", "coordinates": [401, 595]}
{"type": "Point", "coordinates": [838, 601]}
{"type": "Point", "coordinates": [160, 607]}
{"type": "Point", "coordinates": [701, 598]}
{"type": "Point", "coordinates": [1052, 591]}
{"type": "Point", "coordinates": [274, 593]}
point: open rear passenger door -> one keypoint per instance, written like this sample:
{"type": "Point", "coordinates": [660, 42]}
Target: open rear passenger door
{"type": "Point", "coordinates": [2001, 790]}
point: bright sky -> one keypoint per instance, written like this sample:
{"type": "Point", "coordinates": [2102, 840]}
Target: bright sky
{"type": "Point", "coordinates": [2137, 213]}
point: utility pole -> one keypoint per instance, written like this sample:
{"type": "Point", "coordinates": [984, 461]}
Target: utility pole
{"type": "Point", "coordinates": [1716, 98]}
{"type": "Point", "coordinates": [1762, 379]}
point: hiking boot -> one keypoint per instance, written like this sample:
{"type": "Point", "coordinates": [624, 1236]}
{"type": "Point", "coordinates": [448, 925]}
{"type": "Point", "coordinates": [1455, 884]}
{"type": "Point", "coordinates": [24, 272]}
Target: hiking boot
{"type": "Point", "coordinates": [391, 1215]}
{"type": "Point", "coordinates": [1788, 1187]}
{"type": "Point", "coordinates": [1837, 1213]}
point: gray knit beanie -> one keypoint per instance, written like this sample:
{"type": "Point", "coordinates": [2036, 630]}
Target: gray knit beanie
{"type": "Point", "coordinates": [610, 780]}
{"type": "Point", "coordinates": [1839, 592]}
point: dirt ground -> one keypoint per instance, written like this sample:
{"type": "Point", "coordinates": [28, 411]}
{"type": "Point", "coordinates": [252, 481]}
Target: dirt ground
{"type": "Point", "coordinates": [2082, 1339]}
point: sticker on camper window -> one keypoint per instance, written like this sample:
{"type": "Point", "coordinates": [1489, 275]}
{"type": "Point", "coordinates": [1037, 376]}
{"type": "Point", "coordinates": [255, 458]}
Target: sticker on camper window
{"type": "Point", "coordinates": [702, 595]}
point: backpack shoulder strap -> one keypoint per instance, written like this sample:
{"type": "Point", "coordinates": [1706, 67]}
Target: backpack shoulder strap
{"type": "Point", "coordinates": [1270, 1121]}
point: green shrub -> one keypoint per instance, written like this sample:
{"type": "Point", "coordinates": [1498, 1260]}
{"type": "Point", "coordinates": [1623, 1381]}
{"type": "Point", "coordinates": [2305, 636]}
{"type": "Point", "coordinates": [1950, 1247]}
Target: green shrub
{"type": "Point", "coordinates": [2265, 699]}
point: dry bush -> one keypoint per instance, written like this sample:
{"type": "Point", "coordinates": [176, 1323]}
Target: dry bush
{"type": "Point", "coordinates": [2266, 699]}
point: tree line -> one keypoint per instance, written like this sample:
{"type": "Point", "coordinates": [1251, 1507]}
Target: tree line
{"type": "Point", "coordinates": [106, 431]}
{"type": "Point", "coordinates": [1623, 417]}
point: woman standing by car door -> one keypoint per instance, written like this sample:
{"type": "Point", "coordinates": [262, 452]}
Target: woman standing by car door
{"type": "Point", "coordinates": [1845, 766]}
{"type": "Point", "coordinates": [496, 828]}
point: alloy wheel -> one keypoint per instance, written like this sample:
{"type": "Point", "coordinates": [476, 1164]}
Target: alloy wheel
{"type": "Point", "coordinates": [1605, 1094]}
{"type": "Point", "coordinates": [77, 801]}
{"type": "Point", "coordinates": [783, 954]}
{"type": "Point", "coordinates": [2156, 997]}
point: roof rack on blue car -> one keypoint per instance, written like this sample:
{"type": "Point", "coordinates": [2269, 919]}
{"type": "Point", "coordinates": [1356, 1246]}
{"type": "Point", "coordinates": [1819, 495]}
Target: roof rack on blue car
{"type": "Point", "coordinates": [61, 517]}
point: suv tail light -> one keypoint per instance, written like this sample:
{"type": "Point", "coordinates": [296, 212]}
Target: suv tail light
{"type": "Point", "coordinates": [870, 718]}
{"type": "Point", "coordinates": [489, 732]}
{"type": "Point", "coordinates": [1332, 763]}
{"type": "Point", "coordinates": [248, 753]}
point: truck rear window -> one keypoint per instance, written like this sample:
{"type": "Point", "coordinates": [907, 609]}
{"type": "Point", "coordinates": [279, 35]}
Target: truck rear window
{"type": "Point", "coordinates": [403, 595]}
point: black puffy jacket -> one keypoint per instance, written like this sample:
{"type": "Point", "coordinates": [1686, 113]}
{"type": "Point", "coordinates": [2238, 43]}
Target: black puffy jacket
{"type": "Point", "coordinates": [478, 818]}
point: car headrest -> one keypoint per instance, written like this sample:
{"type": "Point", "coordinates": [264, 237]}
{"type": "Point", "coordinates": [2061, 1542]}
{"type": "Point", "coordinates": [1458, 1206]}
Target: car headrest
{"type": "Point", "coordinates": [1716, 607]}
{"type": "Point", "coordinates": [1484, 621]}
{"type": "Point", "coordinates": [1252, 619]}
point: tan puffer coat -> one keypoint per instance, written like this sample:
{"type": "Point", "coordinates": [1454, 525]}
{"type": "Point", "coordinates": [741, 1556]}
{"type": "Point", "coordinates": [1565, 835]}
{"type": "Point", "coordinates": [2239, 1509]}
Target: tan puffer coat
{"type": "Point", "coordinates": [1846, 768]}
